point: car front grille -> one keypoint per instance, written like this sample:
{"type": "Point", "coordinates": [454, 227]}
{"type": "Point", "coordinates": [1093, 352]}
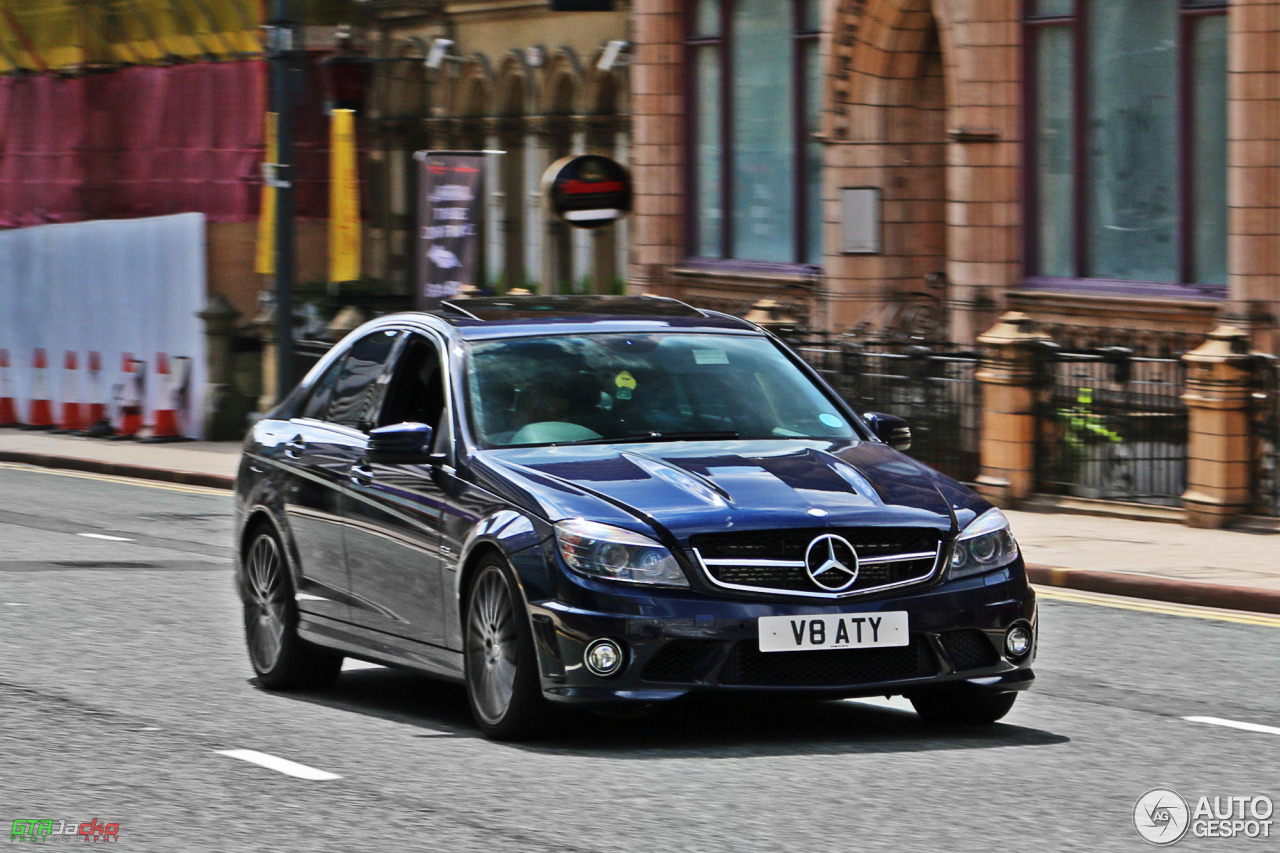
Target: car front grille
{"type": "Point", "coordinates": [747, 665]}
{"type": "Point", "coordinates": [773, 560]}
{"type": "Point", "coordinates": [968, 649]}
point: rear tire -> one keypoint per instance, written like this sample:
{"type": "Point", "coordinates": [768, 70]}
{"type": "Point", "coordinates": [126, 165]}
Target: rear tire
{"type": "Point", "coordinates": [282, 659]}
{"type": "Point", "coordinates": [962, 707]}
{"type": "Point", "coordinates": [501, 665]}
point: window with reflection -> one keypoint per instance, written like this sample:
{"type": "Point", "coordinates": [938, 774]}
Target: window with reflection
{"type": "Point", "coordinates": [755, 167]}
{"type": "Point", "coordinates": [1128, 140]}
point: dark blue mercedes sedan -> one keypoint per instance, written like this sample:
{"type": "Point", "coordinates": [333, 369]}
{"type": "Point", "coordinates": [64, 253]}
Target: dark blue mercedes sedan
{"type": "Point", "coordinates": [615, 502]}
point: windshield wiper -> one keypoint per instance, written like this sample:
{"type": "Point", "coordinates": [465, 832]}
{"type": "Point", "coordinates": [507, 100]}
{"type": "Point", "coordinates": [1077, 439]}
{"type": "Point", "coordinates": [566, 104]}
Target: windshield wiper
{"type": "Point", "coordinates": [642, 437]}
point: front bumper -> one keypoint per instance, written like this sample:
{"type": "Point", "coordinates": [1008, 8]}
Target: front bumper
{"type": "Point", "coordinates": [676, 643]}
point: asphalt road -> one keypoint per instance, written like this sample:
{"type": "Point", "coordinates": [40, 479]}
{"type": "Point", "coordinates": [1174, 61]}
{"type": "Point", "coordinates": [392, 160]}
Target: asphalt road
{"type": "Point", "coordinates": [123, 679]}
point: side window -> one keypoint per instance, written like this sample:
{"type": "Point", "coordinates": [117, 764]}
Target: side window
{"type": "Point", "coordinates": [416, 393]}
{"type": "Point", "coordinates": [316, 406]}
{"type": "Point", "coordinates": [355, 393]}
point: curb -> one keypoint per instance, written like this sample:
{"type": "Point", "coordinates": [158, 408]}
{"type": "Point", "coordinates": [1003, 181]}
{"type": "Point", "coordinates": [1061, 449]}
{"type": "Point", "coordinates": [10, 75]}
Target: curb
{"type": "Point", "coordinates": [118, 469]}
{"type": "Point", "coordinates": [1158, 589]}
{"type": "Point", "coordinates": [1110, 583]}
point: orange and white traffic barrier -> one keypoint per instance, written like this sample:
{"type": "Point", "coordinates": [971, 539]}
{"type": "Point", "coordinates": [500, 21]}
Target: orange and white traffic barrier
{"type": "Point", "coordinates": [96, 410]}
{"type": "Point", "coordinates": [40, 415]}
{"type": "Point", "coordinates": [8, 411]}
{"type": "Point", "coordinates": [73, 411]}
{"type": "Point", "coordinates": [165, 424]}
{"type": "Point", "coordinates": [131, 397]}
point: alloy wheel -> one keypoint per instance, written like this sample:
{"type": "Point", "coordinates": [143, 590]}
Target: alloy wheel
{"type": "Point", "coordinates": [265, 608]}
{"type": "Point", "coordinates": [491, 646]}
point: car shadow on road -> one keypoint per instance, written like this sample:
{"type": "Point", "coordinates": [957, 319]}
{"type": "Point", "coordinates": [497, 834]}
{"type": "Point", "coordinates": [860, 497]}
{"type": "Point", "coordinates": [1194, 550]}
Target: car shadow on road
{"type": "Point", "coordinates": [751, 726]}
{"type": "Point", "coordinates": [709, 728]}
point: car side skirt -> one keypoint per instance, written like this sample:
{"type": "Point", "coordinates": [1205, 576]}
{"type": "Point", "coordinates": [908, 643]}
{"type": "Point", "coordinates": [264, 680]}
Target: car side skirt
{"type": "Point", "coordinates": [377, 647]}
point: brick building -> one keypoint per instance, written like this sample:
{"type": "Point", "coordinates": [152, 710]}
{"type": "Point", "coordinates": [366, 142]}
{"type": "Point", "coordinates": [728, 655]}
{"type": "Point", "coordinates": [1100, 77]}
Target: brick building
{"type": "Point", "coordinates": [508, 75]}
{"type": "Point", "coordinates": [1096, 163]}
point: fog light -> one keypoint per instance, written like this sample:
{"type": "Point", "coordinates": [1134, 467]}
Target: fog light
{"type": "Point", "coordinates": [603, 657]}
{"type": "Point", "coordinates": [1018, 641]}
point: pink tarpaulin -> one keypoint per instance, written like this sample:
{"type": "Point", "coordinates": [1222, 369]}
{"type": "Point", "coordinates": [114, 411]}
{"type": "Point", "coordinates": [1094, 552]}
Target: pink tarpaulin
{"type": "Point", "coordinates": [148, 141]}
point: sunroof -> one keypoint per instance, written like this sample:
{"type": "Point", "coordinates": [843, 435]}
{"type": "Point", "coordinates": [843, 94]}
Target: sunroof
{"type": "Point", "coordinates": [548, 307]}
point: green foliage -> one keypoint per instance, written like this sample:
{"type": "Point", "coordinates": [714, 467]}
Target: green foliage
{"type": "Point", "coordinates": [1082, 425]}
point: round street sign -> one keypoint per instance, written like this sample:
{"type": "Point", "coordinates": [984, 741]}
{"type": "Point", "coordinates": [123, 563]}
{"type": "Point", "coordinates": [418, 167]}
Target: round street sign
{"type": "Point", "coordinates": [589, 191]}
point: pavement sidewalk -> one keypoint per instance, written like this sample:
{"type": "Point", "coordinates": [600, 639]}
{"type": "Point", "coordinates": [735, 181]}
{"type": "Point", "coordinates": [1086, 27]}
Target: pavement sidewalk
{"type": "Point", "coordinates": [1232, 569]}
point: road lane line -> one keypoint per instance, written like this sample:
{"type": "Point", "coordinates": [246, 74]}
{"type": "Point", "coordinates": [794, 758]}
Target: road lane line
{"type": "Point", "coordinates": [113, 478]}
{"type": "Point", "coordinates": [1162, 607]}
{"type": "Point", "coordinates": [104, 537]}
{"type": "Point", "coordinates": [1234, 724]}
{"type": "Point", "coordinates": [281, 765]}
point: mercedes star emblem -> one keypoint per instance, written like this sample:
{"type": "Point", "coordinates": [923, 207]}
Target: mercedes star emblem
{"type": "Point", "coordinates": [831, 562]}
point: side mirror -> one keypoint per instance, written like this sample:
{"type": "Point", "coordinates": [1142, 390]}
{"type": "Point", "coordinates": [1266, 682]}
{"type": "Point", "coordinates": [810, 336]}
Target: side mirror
{"type": "Point", "coordinates": [401, 444]}
{"type": "Point", "coordinates": [890, 429]}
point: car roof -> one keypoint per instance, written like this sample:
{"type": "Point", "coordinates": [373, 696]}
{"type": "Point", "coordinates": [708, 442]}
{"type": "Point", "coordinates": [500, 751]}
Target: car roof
{"type": "Point", "coordinates": [500, 316]}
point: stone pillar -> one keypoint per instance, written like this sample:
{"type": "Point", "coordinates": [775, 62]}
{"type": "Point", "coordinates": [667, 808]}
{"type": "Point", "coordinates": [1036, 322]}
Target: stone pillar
{"type": "Point", "coordinates": [344, 323]}
{"type": "Point", "coordinates": [512, 181]}
{"type": "Point", "coordinates": [601, 135]}
{"type": "Point", "coordinates": [1219, 437]}
{"type": "Point", "coordinates": [265, 323]}
{"type": "Point", "coordinates": [657, 151]}
{"type": "Point", "coordinates": [225, 408]}
{"type": "Point", "coordinates": [1009, 377]}
{"type": "Point", "coordinates": [772, 315]}
{"type": "Point", "coordinates": [1253, 168]}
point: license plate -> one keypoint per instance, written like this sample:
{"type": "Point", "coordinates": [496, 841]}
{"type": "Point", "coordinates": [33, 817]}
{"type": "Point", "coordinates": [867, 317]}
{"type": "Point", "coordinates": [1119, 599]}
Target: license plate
{"type": "Point", "coordinates": [833, 631]}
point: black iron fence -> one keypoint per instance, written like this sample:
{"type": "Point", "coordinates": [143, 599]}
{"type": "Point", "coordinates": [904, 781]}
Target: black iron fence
{"type": "Point", "coordinates": [1111, 425]}
{"type": "Point", "coordinates": [1266, 434]}
{"type": "Point", "coordinates": [934, 388]}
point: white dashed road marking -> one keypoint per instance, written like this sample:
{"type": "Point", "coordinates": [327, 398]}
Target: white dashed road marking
{"type": "Point", "coordinates": [281, 765]}
{"type": "Point", "coordinates": [1234, 724]}
{"type": "Point", "coordinates": [104, 536]}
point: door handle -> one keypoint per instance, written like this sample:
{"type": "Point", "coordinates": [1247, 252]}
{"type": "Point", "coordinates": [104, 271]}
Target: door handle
{"type": "Point", "coordinates": [361, 475]}
{"type": "Point", "coordinates": [293, 448]}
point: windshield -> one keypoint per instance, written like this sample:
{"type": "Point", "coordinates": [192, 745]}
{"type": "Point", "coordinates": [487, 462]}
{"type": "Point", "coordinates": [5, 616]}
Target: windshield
{"type": "Point", "coordinates": [642, 387]}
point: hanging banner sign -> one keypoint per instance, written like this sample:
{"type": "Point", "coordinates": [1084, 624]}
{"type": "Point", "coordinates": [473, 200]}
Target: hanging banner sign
{"type": "Point", "coordinates": [589, 191]}
{"type": "Point", "coordinates": [450, 212]}
{"type": "Point", "coordinates": [344, 199]}
{"type": "Point", "coordinates": [264, 261]}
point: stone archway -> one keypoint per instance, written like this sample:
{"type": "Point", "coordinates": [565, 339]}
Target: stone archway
{"type": "Point", "coordinates": [887, 128]}
{"type": "Point", "coordinates": [883, 63]}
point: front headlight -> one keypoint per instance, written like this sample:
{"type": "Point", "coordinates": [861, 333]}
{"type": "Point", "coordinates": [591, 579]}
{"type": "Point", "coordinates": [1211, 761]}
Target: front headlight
{"type": "Point", "coordinates": [603, 551]}
{"type": "Point", "coordinates": [984, 545]}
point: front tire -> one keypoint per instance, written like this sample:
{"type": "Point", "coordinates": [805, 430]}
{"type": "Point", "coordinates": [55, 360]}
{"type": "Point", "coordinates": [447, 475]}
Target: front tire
{"type": "Point", "coordinates": [962, 707]}
{"type": "Point", "coordinates": [501, 665]}
{"type": "Point", "coordinates": [282, 659]}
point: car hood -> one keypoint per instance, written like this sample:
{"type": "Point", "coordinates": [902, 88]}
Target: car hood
{"type": "Point", "coordinates": [684, 488]}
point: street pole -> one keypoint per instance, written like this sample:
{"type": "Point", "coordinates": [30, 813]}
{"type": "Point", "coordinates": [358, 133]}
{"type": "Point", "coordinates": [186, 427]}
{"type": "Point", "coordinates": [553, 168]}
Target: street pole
{"type": "Point", "coordinates": [282, 35]}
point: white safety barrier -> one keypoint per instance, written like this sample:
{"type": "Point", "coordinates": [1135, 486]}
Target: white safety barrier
{"type": "Point", "coordinates": [111, 286]}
